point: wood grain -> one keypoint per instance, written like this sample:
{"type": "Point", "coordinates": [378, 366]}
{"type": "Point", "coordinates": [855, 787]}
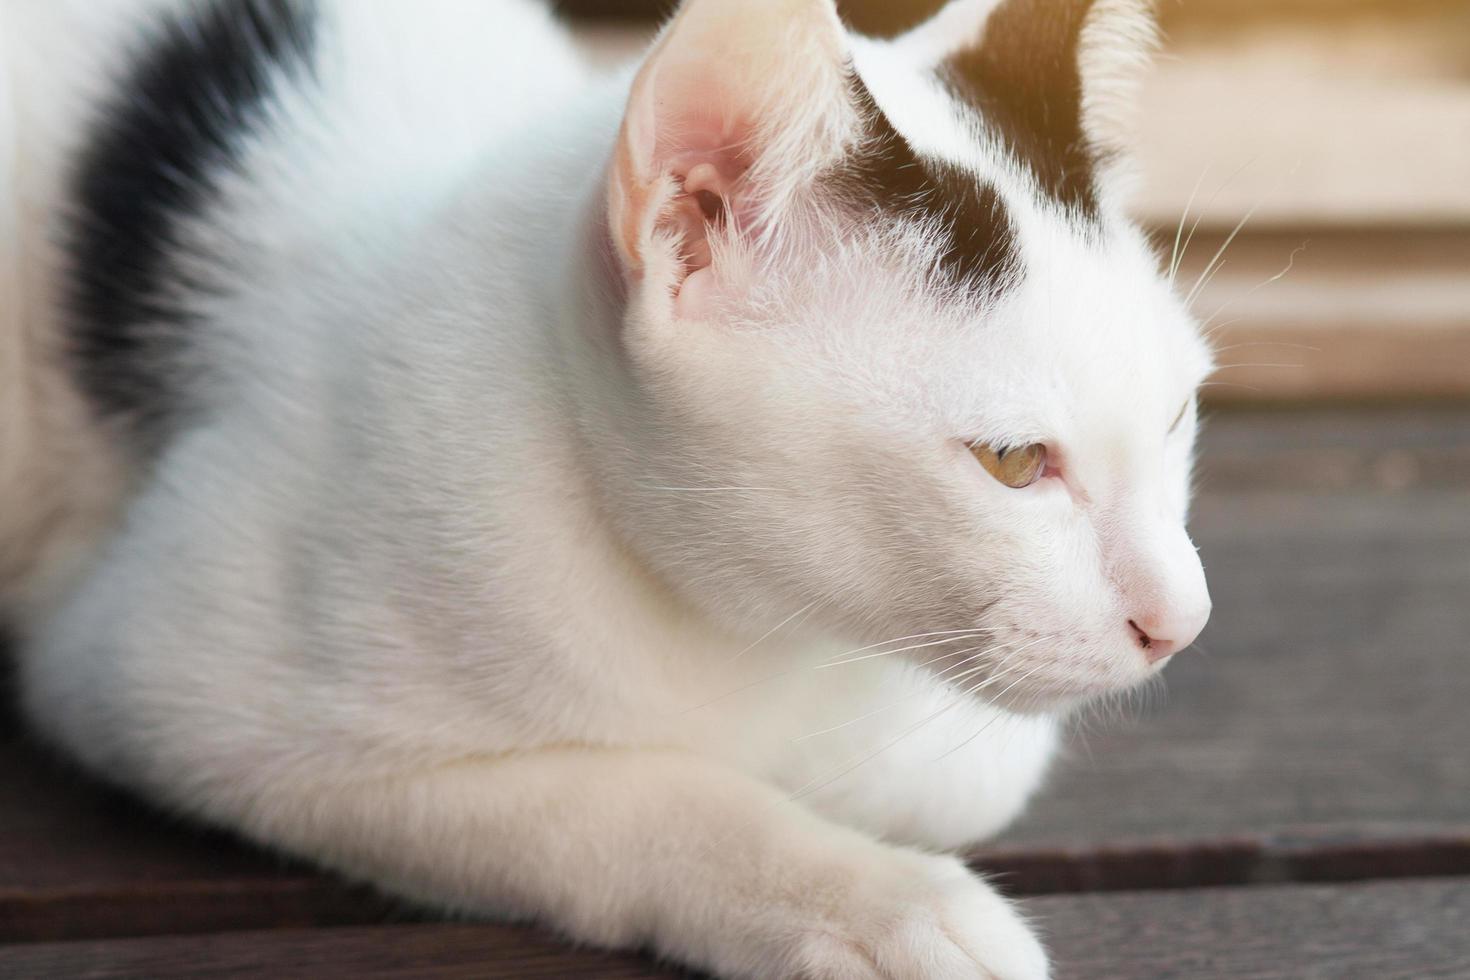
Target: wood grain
{"type": "Point", "coordinates": [1355, 932]}
{"type": "Point", "coordinates": [1383, 931]}
{"type": "Point", "coordinates": [427, 951]}
{"type": "Point", "coordinates": [1313, 315]}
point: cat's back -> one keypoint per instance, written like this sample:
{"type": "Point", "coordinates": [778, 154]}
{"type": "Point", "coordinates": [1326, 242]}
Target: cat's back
{"type": "Point", "coordinates": [196, 185]}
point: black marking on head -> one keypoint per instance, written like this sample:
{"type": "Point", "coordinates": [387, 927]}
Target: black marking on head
{"type": "Point", "coordinates": [191, 98]}
{"type": "Point", "coordinates": [980, 249]}
{"type": "Point", "coordinates": [1024, 79]}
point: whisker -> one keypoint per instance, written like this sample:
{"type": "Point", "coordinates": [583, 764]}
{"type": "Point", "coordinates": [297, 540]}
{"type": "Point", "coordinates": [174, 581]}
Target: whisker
{"type": "Point", "coordinates": [1210, 329]}
{"type": "Point", "coordinates": [860, 718]}
{"type": "Point", "coordinates": [1230, 384]}
{"type": "Point", "coordinates": [979, 652]}
{"type": "Point", "coordinates": [803, 612]}
{"type": "Point", "coordinates": [1244, 364]}
{"type": "Point", "coordinates": [888, 653]}
{"type": "Point", "coordinates": [981, 685]}
{"type": "Point", "coordinates": [719, 489]}
{"type": "Point", "coordinates": [1206, 210]}
{"type": "Point", "coordinates": [964, 696]}
{"type": "Point", "coordinates": [986, 726]}
{"type": "Point", "coordinates": [1266, 343]}
{"type": "Point", "coordinates": [1006, 650]}
{"type": "Point", "coordinates": [809, 788]}
{"type": "Point", "coordinates": [1290, 262]}
{"type": "Point", "coordinates": [915, 636]}
{"type": "Point", "coordinates": [1177, 256]}
{"type": "Point", "coordinates": [741, 689]}
{"type": "Point", "coordinates": [799, 669]}
{"type": "Point", "coordinates": [1216, 262]}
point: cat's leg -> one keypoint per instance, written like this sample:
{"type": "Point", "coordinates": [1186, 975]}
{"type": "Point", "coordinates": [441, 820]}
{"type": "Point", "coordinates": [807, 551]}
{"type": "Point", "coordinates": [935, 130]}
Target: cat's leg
{"type": "Point", "coordinates": [623, 848]}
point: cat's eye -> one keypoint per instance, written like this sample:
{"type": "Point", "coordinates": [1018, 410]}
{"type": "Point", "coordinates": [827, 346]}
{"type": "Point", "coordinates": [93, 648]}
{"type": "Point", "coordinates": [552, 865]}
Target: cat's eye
{"type": "Point", "coordinates": [1016, 467]}
{"type": "Point", "coordinates": [1183, 410]}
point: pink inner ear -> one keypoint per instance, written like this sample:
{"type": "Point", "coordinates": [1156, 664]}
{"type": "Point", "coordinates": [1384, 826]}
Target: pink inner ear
{"type": "Point", "coordinates": [680, 124]}
{"type": "Point", "coordinates": [703, 202]}
{"type": "Point", "coordinates": [721, 77]}
{"type": "Point", "coordinates": [709, 184]}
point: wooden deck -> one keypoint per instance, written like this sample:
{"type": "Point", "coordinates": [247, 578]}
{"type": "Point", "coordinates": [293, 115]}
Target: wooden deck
{"type": "Point", "coordinates": [1296, 805]}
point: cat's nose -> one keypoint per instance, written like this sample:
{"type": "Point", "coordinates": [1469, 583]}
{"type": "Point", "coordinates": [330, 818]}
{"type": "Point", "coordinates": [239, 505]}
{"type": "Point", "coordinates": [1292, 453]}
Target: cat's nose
{"type": "Point", "coordinates": [1163, 633]}
{"type": "Point", "coordinates": [1165, 590]}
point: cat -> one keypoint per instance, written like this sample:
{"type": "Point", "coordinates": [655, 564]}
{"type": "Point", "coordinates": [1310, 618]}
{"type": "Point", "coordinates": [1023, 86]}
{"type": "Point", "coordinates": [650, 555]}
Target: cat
{"type": "Point", "coordinates": [679, 507]}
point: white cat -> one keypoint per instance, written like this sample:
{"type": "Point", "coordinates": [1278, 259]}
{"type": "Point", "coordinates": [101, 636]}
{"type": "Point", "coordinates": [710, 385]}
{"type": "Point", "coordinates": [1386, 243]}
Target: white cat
{"type": "Point", "coordinates": [675, 508]}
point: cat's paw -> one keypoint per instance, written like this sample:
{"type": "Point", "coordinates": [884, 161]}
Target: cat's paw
{"type": "Point", "coordinates": [930, 919]}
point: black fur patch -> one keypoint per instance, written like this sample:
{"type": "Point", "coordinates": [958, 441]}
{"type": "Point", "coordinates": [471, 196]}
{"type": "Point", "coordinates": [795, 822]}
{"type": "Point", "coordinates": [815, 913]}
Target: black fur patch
{"type": "Point", "coordinates": [1024, 79]}
{"type": "Point", "coordinates": [190, 99]}
{"type": "Point", "coordinates": [980, 250]}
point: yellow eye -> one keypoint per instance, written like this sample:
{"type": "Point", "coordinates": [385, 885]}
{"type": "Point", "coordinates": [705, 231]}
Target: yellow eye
{"type": "Point", "coordinates": [1016, 468]}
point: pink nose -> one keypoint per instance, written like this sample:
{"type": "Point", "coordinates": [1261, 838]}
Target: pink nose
{"type": "Point", "coordinates": [1162, 636]}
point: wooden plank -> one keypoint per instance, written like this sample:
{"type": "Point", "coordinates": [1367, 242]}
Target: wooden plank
{"type": "Point", "coordinates": [427, 951]}
{"type": "Point", "coordinates": [1353, 119]}
{"type": "Point", "coordinates": [1378, 930]}
{"type": "Point", "coordinates": [1319, 453]}
{"type": "Point", "coordinates": [1338, 315]}
{"type": "Point", "coordinates": [1321, 739]}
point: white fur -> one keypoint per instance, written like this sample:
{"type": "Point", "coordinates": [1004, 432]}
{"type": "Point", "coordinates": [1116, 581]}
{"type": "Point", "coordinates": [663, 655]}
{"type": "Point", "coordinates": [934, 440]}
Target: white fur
{"type": "Point", "coordinates": [472, 590]}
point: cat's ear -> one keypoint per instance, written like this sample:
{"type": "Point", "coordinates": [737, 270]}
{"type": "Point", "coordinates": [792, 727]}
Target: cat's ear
{"type": "Point", "coordinates": [736, 107]}
{"type": "Point", "coordinates": [1056, 80]}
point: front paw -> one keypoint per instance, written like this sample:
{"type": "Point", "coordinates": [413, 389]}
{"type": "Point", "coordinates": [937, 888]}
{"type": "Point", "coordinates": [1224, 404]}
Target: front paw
{"type": "Point", "coordinates": [925, 918]}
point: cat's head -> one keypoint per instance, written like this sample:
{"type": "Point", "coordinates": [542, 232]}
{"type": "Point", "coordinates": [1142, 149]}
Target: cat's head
{"type": "Point", "coordinates": [894, 358]}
